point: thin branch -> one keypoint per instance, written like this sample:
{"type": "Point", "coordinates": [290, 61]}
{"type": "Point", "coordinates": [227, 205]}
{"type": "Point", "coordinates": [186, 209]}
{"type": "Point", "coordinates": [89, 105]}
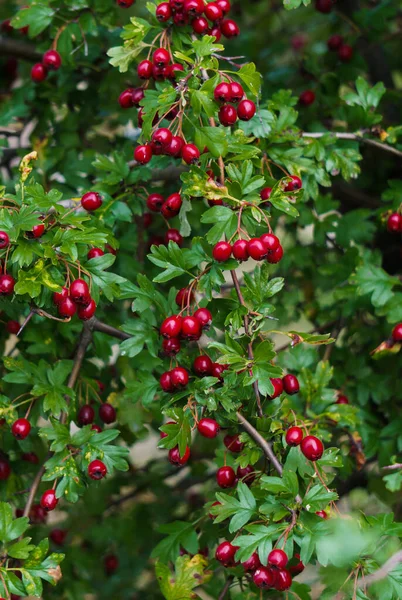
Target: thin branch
{"type": "Point", "coordinates": [382, 572]}
{"type": "Point", "coordinates": [19, 49]}
{"type": "Point", "coordinates": [394, 467]}
{"type": "Point", "coordinates": [356, 137]}
{"type": "Point", "coordinates": [33, 490]}
{"type": "Point", "coordinates": [226, 587]}
{"type": "Point", "coordinates": [108, 329]}
{"type": "Point", "coordinates": [264, 445]}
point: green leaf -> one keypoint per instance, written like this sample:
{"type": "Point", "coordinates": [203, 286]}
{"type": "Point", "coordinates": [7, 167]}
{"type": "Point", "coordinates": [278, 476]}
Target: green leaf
{"type": "Point", "coordinates": [214, 138]}
{"type": "Point", "coordinates": [20, 549]}
{"type": "Point", "coordinates": [37, 16]}
{"type": "Point", "coordinates": [189, 573]}
{"type": "Point", "coordinates": [240, 510]}
{"type": "Point", "coordinates": [251, 77]}
{"type": "Point", "coordinates": [180, 534]}
{"type": "Point", "coordinates": [376, 282]}
{"type": "Point", "coordinates": [10, 528]}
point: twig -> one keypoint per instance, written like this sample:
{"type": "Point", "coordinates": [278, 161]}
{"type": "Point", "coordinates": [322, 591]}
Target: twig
{"type": "Point", "coordinates": [108, 329]}
{"type": "Point", "coordinates": [382, 572]}
{"type": "Point", "coordinates": [264, 445]}
{"type": "Point", "coordinates": [33, 490]}
{"type": "Point", "coordinates": [226, 587]}
{"type": "Point", "coordinates": [356, 137]}
{"type": "Point", "coordinates": [19, 50]}
{"type": "Point", "coordinates": [394, 467]}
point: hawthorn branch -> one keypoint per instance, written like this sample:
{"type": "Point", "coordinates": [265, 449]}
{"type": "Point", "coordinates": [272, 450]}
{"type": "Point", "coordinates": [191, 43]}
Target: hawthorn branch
{"type": "Point", "coordinates": [382, 572]}
{"type": "Point", "coordinates": [264, 445]}
{"type": "Point", "coordinates": [357, 137]}
{"type": "Point", "coordinates": [19, 49]}
{"type": "Point", "coordinates": [226, 587]}
{"type": "Point", "coordinates": [101, 327]}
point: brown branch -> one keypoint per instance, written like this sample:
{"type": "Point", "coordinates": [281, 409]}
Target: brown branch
{"type": "Point", "coordinates": [357, 137]}
{"type": "Point", "coordinates": [33, 490]}
{"type": "Point", "coordinates": [108, 329]}
{"type": "Point", "coordinates": [264, 445]}
{"type": "Point", "coordinates": [382, 572]}
{"type": "Point", "coordinates": [19, 49]}
{"type": "Point", "coordinates": [226, 587]}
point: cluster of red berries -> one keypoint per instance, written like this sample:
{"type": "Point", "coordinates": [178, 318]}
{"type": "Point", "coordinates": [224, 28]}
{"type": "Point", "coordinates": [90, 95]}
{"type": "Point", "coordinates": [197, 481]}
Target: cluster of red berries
{"type": "Point", "coordinates": [311, 446]}
{"type": "Point", "coordinates": [86, 415]}
{"type": "Point", "coordinates": [51, 61]}
{"type": "Point", "coordinates": [294, 184]}
{"type": "Point", "coordinates": [205, 19]}
{"type": "Point", "coordinates": [76, 299]}
{"type": "Point", "coordinates": [266, 246]}
{"type": "Point", "coordinates": [288, 384]}
{"type": "Point", "coordinates": [394, 223]}
{"type": "Point", "coordinates": [227, 94]}
{"type": "Point", "coordinates": [164, 142]}
{"type": "Point", "coordinates": [159, 68]}
{"type": "Point", "coordinates": [336, 44]}
{"type": "Point", "coordinates": [274, 575]}
{"type": "Point", "coordinates": [169, 208]}
{"type": "Point", "coordinates": [397, 333]}
{"type": "Point", "coordinates": [7, 282]}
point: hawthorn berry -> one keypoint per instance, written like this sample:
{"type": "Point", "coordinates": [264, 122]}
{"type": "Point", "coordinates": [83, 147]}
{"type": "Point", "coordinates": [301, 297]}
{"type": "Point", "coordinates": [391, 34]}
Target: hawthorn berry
{"type": "Point", "coordinates": [276, 256]}
{"type": "Point", "coordinates": [397, 333]}
{"type": "Point", "coordinates": [79, 292]}
{"type": "Point", "coordinates": [334, 42]}
{"type": "Point", "coordinates": [21, 428]}
{"type": "Point", "coordinates": [165, 382]}
{"type": "Point", "coordinates": [58, 536]}
{"type": "Point", "coordinates": [161, 57]}
{"type": "Point", "coordinates": [236, 92]}
{"type": "Point", "coordinates": [4, 239]}
{"type": "Point", "coordinates": [38, 73]}
{"type": "Point", "coordinates": [171, 206]}
{"type": "Point", "coordinates": [225, 553]}
{"type": "Point", "coordinates": [184, 297]}
{"type": "Point", "coordinates": [162, 433]}
{"type": "Point", "coordinates": [225, 477]}
{"type": "Point", "coordinates": [213, 11]}
{"type": "Point", "coordinates": [394, 223]}
{"type": "Point", "coordinates": [7, 283]}
{"type": "Point", "coordinates": [91, 201]}
{"type": "Point", "coordinates": [278, 558]}
{"type": "Point", "coordinates": [175, 458]}
{"type": "Point", "coordinates": [246, 110]}
{"type": "Point", "coordinates": [66, 308]}
{"type": "Point", "coordinates": [190, 154]}
{"type": "Point", "coordinates": [5, 470]}
{"type": "Point", "coordinates": [87, 311]}
{"type": "Point", "coordinates": [107, 413]}
{"type": "Point", "coordinates": [294, 436]}
{"type": "Point", "coordinates": [86, 415]}
{"type": "Point", "coordinates": [37, 514]}
{"type": "Point", "coordinates": [204, 317]}
{"type": "Point", "coordinates": [216, 33]}
{"type": "Point", "coordinates": [137, 95]}
{"type": "Point", "coordinates": [297, 568]}
{"type": "Point", "coordinates": [52, 60]}
{"type": "Point", "coordinates": [345, 53]}
{"type": "Point", "coordinates": [143, 154]}
{"type": "Point", "coordinates": [264, 577]}
{"type": "Point", "coordinates": [270, 241]}
{"type": "Point", "coordinates": [179, 377]}
{"type": "Point", "coordinates": [233, 443]}
{"type": "Point", "coordinates": [307, 98]}
{"type": "Point", "coordinates": [324, 6]}
{"type": "Point", "coordinates": [322, 514]}
{"type": "Point", "coordinates": [227, 115]}
{"type": "Point", "coordinates": [283, 580]}
{"type": "Point", "coordinates": [30, 457]}
{"type": "Point", "coordinates": [162, 137]}
{"type": "Point", "coordinates": [13, 327]}
{"type": "Point", "coordinates": [144, 69]}
{"type": "Point", "coordinates": [48, 500]}
{"type": "Point", "coordinates": [240, 250]}
{"type": "Point", "coordinates": [163, 12]}
{"type": "Point", "coordinates": [312, 448]}
{"type": "Point", "coordinates": [191, 328]}
{"type": "Point", "coordinates": [194, 8]}
{"type": "Point", "coordinates": [224, 5]}
{"type": "Point", "coordinates": [97, 469]}
{"type": "Point", "coordinates": [125, 3]}
{"type": "Point", "coordinates": [252, 563]}
{"type": "Point", "coordinates": [265, 193]}
{"type": "Point", "coordinates": [208, 428]}
{"type": "Point", "coordinates": [342, 399]}
{"type": "Point", "coordinates": [38, 230]}
{"type": "Point", "coordinates": [175, 147]}
{"type": "Point", "coordinates": [126, 99]}
{"type": "Point", "coordinates": [202, 365]}
{"type": "Point", "coordinates": [222, 92]}
{"type": "Point", "coordinates": [173, 235]}
{"type": "Point", "coordinates": [230, 29]}
{"type": "Point", "coordinates": [200, 25]}
{"type": "Point", "coordinates": [222, 251]}
{"type": "Point", "coordinates": [246, 474]}
{"type": "Point", "coordinates": [110, 564]}
{"type": "Point", "coordinates": [290, 384]}
{"type": "Point", "coordinates": [217, 370]}
{"type": "Point", "coordinates": [171, 346]}
{"type": "Point", "coordinates": [95, 253]}
{"type": "Point", "coordinates": [171, 326]}
{"type": "Point", "coordinates": [155, 202]}
{"type": "Point", "coordinates": [294, 184]}
{"type": "Point", "coordinates": [256, 249]}
{"type": "Point", "coordinates": [278, 387]}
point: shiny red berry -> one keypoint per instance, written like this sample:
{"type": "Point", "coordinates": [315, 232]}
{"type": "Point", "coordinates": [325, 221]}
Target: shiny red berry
{"type": "Point", "coordinates": [225, 477]}
{"type": "Point", "coordinates": [275, 256]}
{"type": "Point", "coordinates": [213, 12]}
{"type": "Point", "coordinates": [225, 553]}
{"type": "Point", "coordinates": [202, 365]}
{"type": "Point", "coordinates": [227, 115]}
{"type": "Point", "coordinates": [208, 428]}
{"type": "Point", "coordinates": [179, 377]}
{"type": "Point", "coordinates": [143, 154]}
{"type": "Point", "coordinates": [256, 249]}
{"type": "Point", "coordinates": [264, 578]}
{"type": "Point", "coordinates": [222, 251]}
{"type": "Point", "coordinates": [246, 474]}
{"type": "Point", "coordinates": [307, 98]}
{"type": "Point", "coordinates": [224, 5]}
{"type": "Point", "coordinates": [165, 382]}
{"type": "Point", "coordinates": [278, 558]}
{"type": "Point", "coordinates": [182, 297]}
{"type": "Point", "coordinates": [345, 53]}
{"type": "Point", "coordinates": [217, 370]}
{"type": "Point", "coordinates": [86, 415]}
{"type": "Point", "coordinates": [394, 223]}
{"type": "Point", "coordinates": [294, 184]}
{"type": "Point", "coordinates": [137, 95]}
{"type": "Point", "coordinates": [95, 253]}
{"type": "Point", "coordinates": [175, 147]}
{"type": "Point", "coordinates": [59, 296]}
{"type": "Point", "coordinates": [175, 458]}
{"type": "Point", "coordinates": [52, 60]}
{"type": "Point", "coordinates": [97, 469]}
{"type": "Point", "coordinates": [91, 201]}
{"type": "Point", "coordinates": [7, 283]}
{"type": "Point", "coordinates": [172, 205]}
{"type": "Point", "coordinates": [173, 235]}
{"type": "Point", "coordinates": [283, 580]}
{"type": "Point", "coordinates": [4, 239]}
{"type": "Point", "coordinates": [265, 193]}
{"type": "Point", "coordinates": [294, 436]}
{"type": "Point", "coordinates": [171, 326]}
{"type": "Point", "coordinates": [312, 448]}
{"type": "Point", "coordinates": [48, 500]}
{"type": "Point", "coordinates": [86, 312]}
{"type": "Point", "coordinates": [38, 73]}
{"type": "Point", "coordinates": [222, 92]}
{"type": "Point", "coordinates": [334, 42]}
{"type": "Point", "coordinates": [322, 514]}
{"type": "Point", "coordinates": [204, 317]}
{"type": "Point", "coordinates": [297, 568]}
{"type": "Point", "coordinates": [270, 241]}
{"type": "Point", "coordinates": [171, 347]}
{"type": "Point", "coordinates": [194, 8]}
{"type": "Point", "coordinates": [397, 333]}
{"type": "Point", "coordinates": [107, 413]}
{"type": "Point", "coordinates": [278, 387]}
{"type": "Point", "coordinates": [230, 29]}
{"type": "Point", "coordinates": [163, 12]}
{"type": "Point", "coordinates": [161, 57]}
{"type": "Point", "coordinates": [125, 3]}
{"type": "Point", "coordinates": [21, 428]}
{"type": "Point", "coordinates": [154, 202]}
{"type": "Point", "coordinates": [144, 69]}
{"type": "Point", "coordinates": [190, 154]}
{"type": "Point", "coordinates": [236, 92]}
{"type": "Point", "coordinates": [240, 250]}
{"type": "Point", "coordinates": [252, 563]}
{"type": "Point", "coordinates": [233, 443]}
{"type": "Point", "coordinates": [246, 110]}
{"type": "Point", "coordinates": [126, 99]}
{"type": "Point", "coordinates": [191, 328]}
{"type": "Point", "coordinates": [290, 384]}
{"type": "Point", "coordinates": [58, 536]}
{"type": "Point", "coordinates": [66, 308]}
{"type": "Point", "coordinates": [162, 137]}
{"type": "Point", "coordinates": [200, 25]}
{"type": "Point", "coordinates": [79, 292]}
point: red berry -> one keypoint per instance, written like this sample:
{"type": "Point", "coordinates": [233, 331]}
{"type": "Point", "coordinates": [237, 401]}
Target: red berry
{"type": "Point", "coordinates": [345, 53]}
{"type": "Point", "coordinates": [324, 6]}
{"type": "Point", "coordinates": [162, 137]}
{"type": "Point", "coordinates": [246, 474]}
{"type": "Point", "coordinates": [179, 377]}
{"type": "Point", "coordinates": [294, 436]}
{"type": "Point", "coordinates": [294, 184]}
{"type": "Point", "coordinates": [175, 458]}
{"type": "Point", "coordinates": [278, 387]}
{"type": "Point", "coordinates": [125, 3]}
{"type": "Point", "coordinates": [225, 553]}
{"type": "Point", "coordinates": [312, 448]}
{"type": "Point", "coordinates": [48, 500]}
{"type": "Point", "coordinates": [38, 73]}
{"type": "Point", "coordinates": [86, 415]}
{"type": "Point", "coordinates": [97, 469]}
{"type": "Point", "coordinates": [275, 256]}
{"type": "Point", "coordinates": [37, 514]}
{"type": "Point", "coordinates": [265, 193]}
{"type": "Point", "coordinates": [175, 147]}
{"type": "Point", "coordinates": [270, 241]}
{"type": "Point", "coordinates": [225, 477]}
{"type": "Point", "coordinates": [194, 8]}
{"type": "Point", "coordinates": [227, 115]}
{"type": "Point", "coordinates": [252, 563]}
{"type": "Point", "coordinates": [161, 57]}
{"type": "Point", "coordinates": [290, 384]}
{"type": "Point", "coordinates": [155, 202]}
{"type": "Point", "coordinates": [191, 328]}
{"type": "Point", "coordinates": [224, 5]}
{"type": "Point", "coordinates": [165, 382]}
{"type": "Point", "coordinates": [144, 69]}
{"type": "Point", "coordinates": [335, 42]}
{"type": "Point", "coordinates": [182, 297]}
{"type": "Point", "coordinates": [4, 239]}
{"type": "Point", "coordinates": [126, 99]}
{"type": "Point", "coordinates": [213, 12]}
{"type": "Point", "coordinates": [256, 249]}
{"type": "Point", "coordinates": [190, 154]}
{"type": "Point", "coordinates": [110, 563]}
{"type": "Point", "coordinates": [171, 327]}
{"type": "Point", "coordinates": [240, 250]}
{"type": "Point", "coordinates": [59, 296]}
{"type": "Point", "coordinates": [171, 207]}
{"type": "Point", "coordinates": [203, 316]}
{"type": "Point", "coordinates": [233, 443]}
{"type": "Point", "coordinates": [21, 428]}
{"type": "Point", "coordinates": [87, 312]}
{"type": "Point", "coordinates": [202, 365]}
{"type": "Point", "coordinates": [180, 19]}
{"type": "Point", "coordinates": [52, 60]}
{"type": "Point", "coordinates": [222, 251]}
{"type": "Point", "coordinates": [173, 235]}
{"type": "Point", "coordinates": [30, 457]}
{"type": "Point", "coordinates": [246, 110]}
{"type": "Point", "coordinates": [208, 428]}
{"type": "Point", "coordinates": [79, 292]}
{"type": "Point", "coordinates": [322, 514]}
{"type": "Point", "coordinates": [200, 25]}
{"type": "Point", "coordinates": [222, 92]}
{"type": "Point", "coordinates": [230, 29]}
{"type": "Point", "coordinates": [171, 347]}
{"type": "Point", "coordinates": [58, 536]}
{"type": "Point", "coordinates": [394, 223]}
{"type": "Point", "coordinates": [297, 568]}
{"type": "Point", "coordinates": [307, 98]}
{"type": "Point", "coordinates": [5, 470]}
{"type": "Point", "coordinates": [278, 558]}
{"type": "Point", "coordinates": [7, 283]}
{"type": "Point", "coordinates": [66, 308]}
{"type": "Point", "coordinates": [236, 92]}
{"type": "Point", "coordinates": [397, 333]}
{"type": "Point", "coordinates": [91, 201]}
{"type": "Point", "coordinates": [13, 327]}
{"type": "Point", "coordinates": [342, 399]}
{"type": "Point", "coordinates": [283, 580]}
{"type": "Point", "coordinates": [95, 253]}
{"type": "Point", "coordinates": [264, 578]}
{"type": "Point", "coordinates": [107, 413]}
{"type": "Point", "coordinates": [137, 95]}
{"type": "Point", "coordinates": [143, 154]}
{"type": "Point", "coordinates": [163, 12]}
{"type": "Point", "coordinates": [217, 370]}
